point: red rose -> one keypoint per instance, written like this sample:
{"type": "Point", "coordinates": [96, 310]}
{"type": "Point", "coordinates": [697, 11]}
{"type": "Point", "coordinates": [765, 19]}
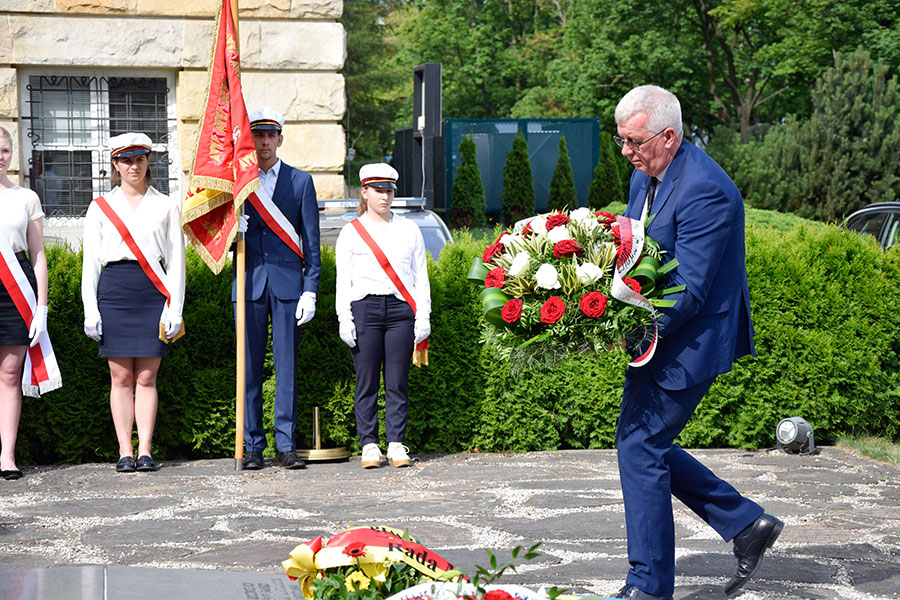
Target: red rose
{"type": "Point", "coordinates": [552, 310]}
{"type": "Point", "coordinates": [495, 278]}
{"type": "Point", "coordinates": [566, 248]}
{"type": "Point", "coordinates": [495, 249]}
{"type": "Point", "coordinates": [633, 284]}
{"type": "Point", "coordinates": [512, 310]}
{"type": "Point", "coordinates": [593, 304]}
{"type": "Point", "coordinates": [527, 230]}
{"type": "Point", "coordinates": [355, 549]}
{"type": "Point", "coordinates": [605, 218]}
{"type": "Point", "coordinates": [555, 220]}
{"type": "Point", "coordinates": [497, 595]}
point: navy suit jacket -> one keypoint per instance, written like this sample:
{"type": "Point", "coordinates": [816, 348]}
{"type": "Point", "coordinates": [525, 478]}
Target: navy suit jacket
{"type": "Point", "coordinates": [698, 218]}
{"type": "Point", "coordinates": [269, 260]}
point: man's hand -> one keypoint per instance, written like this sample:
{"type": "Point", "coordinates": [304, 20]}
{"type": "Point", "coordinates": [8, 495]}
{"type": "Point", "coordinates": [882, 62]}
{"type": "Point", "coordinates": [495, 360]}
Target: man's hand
{"type": "Point", "coordinates": [306, 307]}
{"type": "Point", "coordinates": [243, 220]}
{"type": "Point", "coordinates": [348, 332]}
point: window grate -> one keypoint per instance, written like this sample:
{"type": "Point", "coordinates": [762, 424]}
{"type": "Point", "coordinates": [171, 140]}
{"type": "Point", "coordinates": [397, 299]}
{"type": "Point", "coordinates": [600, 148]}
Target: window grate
{"type": "Point", "coordinates": [69, 121]}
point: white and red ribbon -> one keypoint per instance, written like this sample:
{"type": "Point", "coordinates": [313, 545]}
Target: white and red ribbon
{"type": "Point", "coordinates": [275, 220]}
{"type": "Point", "coordinates": [631, 233]}
{"type": "Point", "coordinates": [41, 372]}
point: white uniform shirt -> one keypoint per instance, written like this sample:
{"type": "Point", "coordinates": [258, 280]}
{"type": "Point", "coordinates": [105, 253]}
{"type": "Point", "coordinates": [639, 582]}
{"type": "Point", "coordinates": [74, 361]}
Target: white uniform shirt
{"type": "Point", "coordinates": [18, 206]}
{"type": "Point", "coordinates": [268, 179]}
{"type": "Point", "coordinates": [358, 271]}
{"type": "Point", "coordinates": [156, 227]}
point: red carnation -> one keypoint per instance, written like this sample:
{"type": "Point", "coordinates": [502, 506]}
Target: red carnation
{"type": "Point", "coordinates": [497, 595]}
{"type": "Point", "coordinates": [512, 310]}
{"type": "Point", "coordinates": [593, 304]}
{"type": "Point", "coordinates": [495, 249]}
{"type": "Point", "coordinates": [552, 310]}
{"type": "Point", "coordinates": [633, 284]}
{"type": "Point", "coordinates": [566, 248]}
{"type": "Point", "coordinates": [355, 549]}
{"type": "Point", "coordinates": [555, 220]}
{"type": "Point", "coordinates": [495, 278]}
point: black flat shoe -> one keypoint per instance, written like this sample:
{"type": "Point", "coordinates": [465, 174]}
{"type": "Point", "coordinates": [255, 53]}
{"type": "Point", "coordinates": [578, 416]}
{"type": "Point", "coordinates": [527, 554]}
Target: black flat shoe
{"type": "Point", "coordinates": [11, 475]}
{"type": "Point", "coordinates": [125, 465]}
{"type": "Point", "coordinates": [633, 593]}
{"type": "Point", "coordinates": [145, 464]}
{"type": "Point", "coordinates": [290, 460]}
{"type": "Point", "coordinates": [253, 461]}
{"type": "Point", "coordinates": [749, 547]}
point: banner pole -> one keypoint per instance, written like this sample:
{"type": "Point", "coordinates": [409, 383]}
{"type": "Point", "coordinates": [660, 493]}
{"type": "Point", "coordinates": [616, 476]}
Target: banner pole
{"type": "Point", "coordinates": [240, 322]}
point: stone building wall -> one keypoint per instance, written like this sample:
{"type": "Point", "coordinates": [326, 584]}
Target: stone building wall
{"type": "Point", "coordinates": [292, 54]}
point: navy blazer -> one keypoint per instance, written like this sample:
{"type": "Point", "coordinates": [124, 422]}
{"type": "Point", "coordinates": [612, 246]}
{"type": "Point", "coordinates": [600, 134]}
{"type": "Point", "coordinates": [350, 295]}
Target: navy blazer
{"type": "Point", "coordinates": [698, 218]}
{"type": "Point", "coordinates": [269, 260]}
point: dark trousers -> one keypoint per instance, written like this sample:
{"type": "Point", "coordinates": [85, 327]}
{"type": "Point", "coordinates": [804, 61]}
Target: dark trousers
{"type": "Point", "coordinates": [285, 339]}
{"type": "Point", "coordinates": [384, 344]}
{"type": "Point", "coordinates": [652, 469]}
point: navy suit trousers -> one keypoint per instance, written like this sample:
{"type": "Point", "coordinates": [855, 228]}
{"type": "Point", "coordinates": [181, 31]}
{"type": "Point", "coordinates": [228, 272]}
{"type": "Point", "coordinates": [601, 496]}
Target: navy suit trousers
{"type": "Point", "coordinates": [384, 344]}
{"type": "Point", "coordinates": [652, 468]}
{"type": "Point", "coordinates": [285, 338]}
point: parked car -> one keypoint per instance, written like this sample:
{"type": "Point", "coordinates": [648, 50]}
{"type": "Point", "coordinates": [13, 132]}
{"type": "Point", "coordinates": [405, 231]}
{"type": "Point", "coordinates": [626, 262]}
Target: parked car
{"type": "Point", "coordinates": [880, 219]}
{"type": "Point", "coordinates": [334, 214]}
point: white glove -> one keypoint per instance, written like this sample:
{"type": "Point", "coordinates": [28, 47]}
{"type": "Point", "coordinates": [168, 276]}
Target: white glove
{"type": "Point", "coordinates": [173, 325]}
{"type": "Point", "coordinates": [422, 329]}
{"type": "Point", "coordinates": [93, 328]}
{"type": "Point", "coordinates": [306, 307]}
{"type": "Point", "coordinates": [348, 333]}
{"type": "Point", "coordinates": [38, 324]}
{"type": "Point", "coordinates": [243, 220]}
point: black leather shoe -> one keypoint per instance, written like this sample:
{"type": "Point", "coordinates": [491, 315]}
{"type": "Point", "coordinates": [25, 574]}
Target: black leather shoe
{"type": "Point", "coordinates": [11, 475]}
{"type": "Point", "coordinates": [631, 592]}
{"type": "Point", "coordinates": [125, 465]}
{"type": "Point", "coordinates": [749, 547]}
{"type": "Point", "coordinates": [145, 464]}
{"type": "Point", "coordinates": [253, 461]}
{"type": "Point", "coordinates": [290, 460]}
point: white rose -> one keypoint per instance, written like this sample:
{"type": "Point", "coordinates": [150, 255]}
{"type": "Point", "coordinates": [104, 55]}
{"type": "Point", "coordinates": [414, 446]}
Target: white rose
{"type": "Point", "coordinates": [504, 239]}
{"type": "Point", "coordinates": [581, 214]}
{"type": "Point", "coordinates": [588, 272]}
{"type": "Point", "coordinates": [539, 225]}
{"type": "Point", "coordinates": [558, 234]}
{"type": "Point", "coordinates": [547, 277]}
{"type": "Point", "coordinates": [519, 265]}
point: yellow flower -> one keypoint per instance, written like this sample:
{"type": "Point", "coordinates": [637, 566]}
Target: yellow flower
{"type": "Point", "coordinates": [356, 580]}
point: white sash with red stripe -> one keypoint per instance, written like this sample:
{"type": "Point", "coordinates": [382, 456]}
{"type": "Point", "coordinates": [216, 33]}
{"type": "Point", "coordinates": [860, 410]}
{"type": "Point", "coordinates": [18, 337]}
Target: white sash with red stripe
{"type": "Point", "coordinates": [275, 220]}
{"type": "Point", "coordinates": [631, 232]}
{"type": "Point", "coordinates": [41, 372]}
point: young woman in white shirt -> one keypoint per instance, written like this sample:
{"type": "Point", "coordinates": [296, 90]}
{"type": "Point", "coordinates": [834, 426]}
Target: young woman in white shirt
{"type": "Point", "coordinates": [123, 309]}
{"type": "Point", "coordinates": [22, 225]}
{"type": "Point", "coordinates": [375, 320]}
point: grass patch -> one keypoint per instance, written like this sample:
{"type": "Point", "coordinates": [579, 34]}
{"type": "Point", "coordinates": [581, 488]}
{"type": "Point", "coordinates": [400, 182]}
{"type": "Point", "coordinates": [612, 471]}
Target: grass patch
{"type": "Point", "coordinates": [876, 448]}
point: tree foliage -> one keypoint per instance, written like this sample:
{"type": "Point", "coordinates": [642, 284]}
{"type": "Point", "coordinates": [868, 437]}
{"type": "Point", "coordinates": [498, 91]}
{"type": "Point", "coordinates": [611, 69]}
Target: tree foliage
{"type": "Point", "coordinates": [562, 184]}
{"type": "Point", "coordinates": [468, 201]}
{"type": "Point", "coordinates": [517, 196]}
{"type": "Point", "coordinates": [844, 156]}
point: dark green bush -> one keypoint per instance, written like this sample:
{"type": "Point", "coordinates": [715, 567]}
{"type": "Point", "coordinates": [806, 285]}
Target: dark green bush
{"type": "Point", "coordinates": [825, 308]}
{"type": "Point", "coordinates": [606, 186]}
{"type": "Point", "coordinates": [517, 195]}
{"type": "Point", "coordinates": [468, 203]}
{"type": "Point", "coordinates": [562, 184]}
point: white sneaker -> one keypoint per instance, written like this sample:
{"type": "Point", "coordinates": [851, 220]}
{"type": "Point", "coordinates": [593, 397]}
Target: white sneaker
{"type": "Point", "coordinates": [371, 456]}
{"type": "Point", "coordinates": [398, 455]}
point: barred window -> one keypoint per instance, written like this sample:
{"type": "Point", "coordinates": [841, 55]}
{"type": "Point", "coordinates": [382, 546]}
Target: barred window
{"type": "Point", "coordinates": [68, 120]}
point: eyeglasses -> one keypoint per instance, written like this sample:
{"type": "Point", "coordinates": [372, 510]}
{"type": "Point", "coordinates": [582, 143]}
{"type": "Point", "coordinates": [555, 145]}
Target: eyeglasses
{"type": "Point", "coordinates": [635, 146]}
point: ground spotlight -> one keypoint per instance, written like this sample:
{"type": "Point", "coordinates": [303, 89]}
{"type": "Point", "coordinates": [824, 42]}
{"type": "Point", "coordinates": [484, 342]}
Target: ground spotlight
{"type": "Point", "coordinates": [795, 436]}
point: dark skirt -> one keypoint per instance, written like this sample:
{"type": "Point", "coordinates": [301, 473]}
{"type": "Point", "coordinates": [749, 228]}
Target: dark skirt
{"type": "Point", "coordinates": [130, 307]}
{"type": "Point", "coordinates": [13, 331]}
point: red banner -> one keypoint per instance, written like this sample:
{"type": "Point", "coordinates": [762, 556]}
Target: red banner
{"type": "Point", "coordinates": [225, 167]}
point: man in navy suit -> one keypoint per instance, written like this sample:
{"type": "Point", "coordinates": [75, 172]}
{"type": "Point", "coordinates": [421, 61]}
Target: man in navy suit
{"type": "Point", "coordinates": [279, 284]}
{"type": "Point", "coordinates": [698, 218]}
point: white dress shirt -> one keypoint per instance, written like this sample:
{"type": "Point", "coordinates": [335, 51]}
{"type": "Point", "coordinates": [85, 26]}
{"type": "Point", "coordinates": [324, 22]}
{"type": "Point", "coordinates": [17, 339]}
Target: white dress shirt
{"type": "Point", "coordinates": [268, 179]}
{"type": "Point", "coordinates": [360, 275]}
{"type": "Point", "coordinates": [18, 207]}
{"type": "Point", "coordinates": [156, 227]}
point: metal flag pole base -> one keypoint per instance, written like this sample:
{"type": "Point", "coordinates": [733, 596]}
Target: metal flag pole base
{"type": "Point", "coordinates": [319, 453]}
{"type": "Point", "coordinates": [239, 464]}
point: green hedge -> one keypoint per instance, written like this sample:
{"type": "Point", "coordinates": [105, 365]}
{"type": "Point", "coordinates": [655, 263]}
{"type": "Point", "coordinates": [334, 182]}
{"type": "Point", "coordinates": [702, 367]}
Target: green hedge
{"type": "Point", "coordinates": [824, 303]}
